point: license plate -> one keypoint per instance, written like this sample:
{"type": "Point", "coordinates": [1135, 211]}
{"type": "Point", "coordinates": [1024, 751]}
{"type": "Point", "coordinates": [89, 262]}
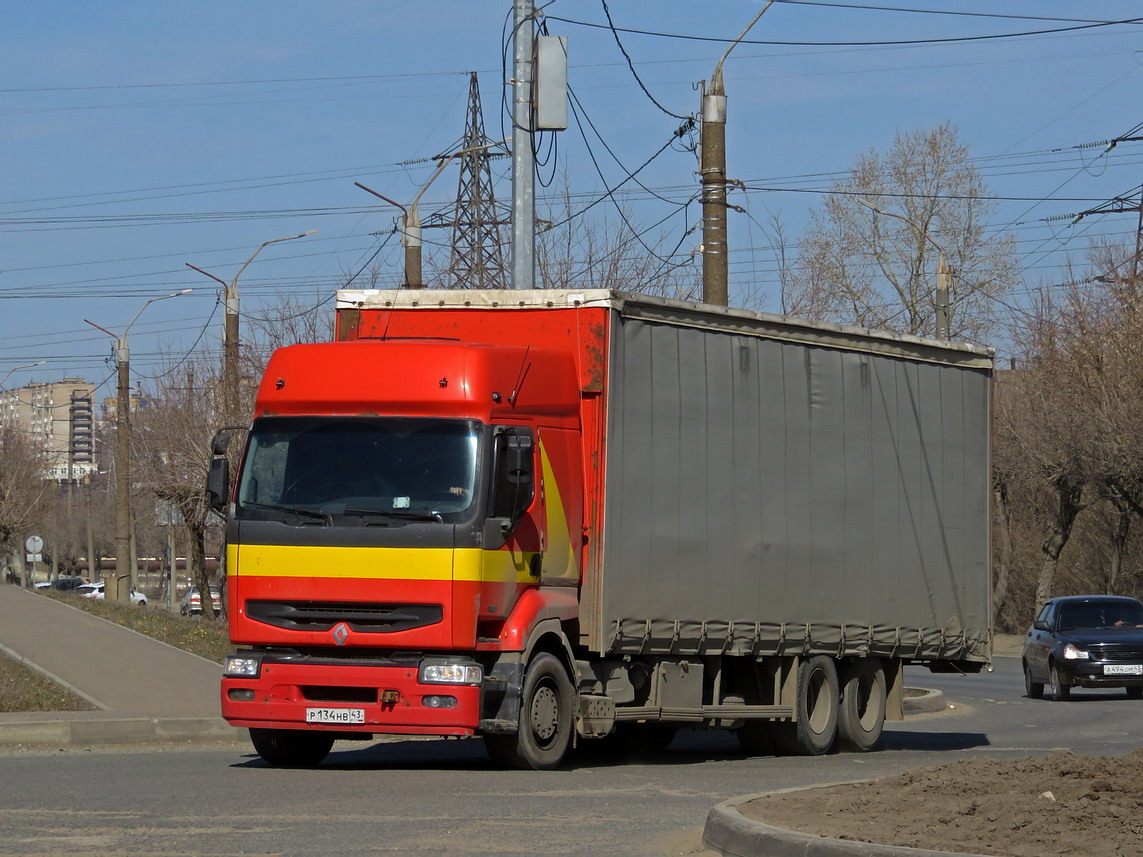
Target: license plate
{"type": "Point", "coordinates": [335, 715]}
{"type": "Point", "coordinates": [1123, 669]}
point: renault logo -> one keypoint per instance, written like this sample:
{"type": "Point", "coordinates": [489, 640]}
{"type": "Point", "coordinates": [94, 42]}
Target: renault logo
{"type": "Point", "coordinates": [340, 633]}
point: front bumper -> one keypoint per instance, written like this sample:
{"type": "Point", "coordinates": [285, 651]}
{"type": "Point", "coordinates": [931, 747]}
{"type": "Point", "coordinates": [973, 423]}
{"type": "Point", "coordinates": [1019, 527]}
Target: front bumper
{"type": "Point", "coordinates": [386, 699]}
{"type": "Point", "coordinates": [1091, 673]}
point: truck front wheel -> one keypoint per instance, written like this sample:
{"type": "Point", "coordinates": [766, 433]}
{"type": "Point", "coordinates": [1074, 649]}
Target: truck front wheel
{"type": "Point", "coordinates": [819, 698]}
{"type": "Point", "coordinates": [862, 705]}
{"type": "Point", "coordinates": [291, 748]}
{"type": "Point", "coordinates": [546, 719]}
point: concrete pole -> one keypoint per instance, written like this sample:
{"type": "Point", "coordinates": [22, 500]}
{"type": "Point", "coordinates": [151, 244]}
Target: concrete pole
{"type": "Point", "coordinates": [712, 174]}
{"type": "Point", "coordinates": [230, 331]}
{"type": "Point", "coordinates": [523, 160]}
{"type": "Point", "coordinates": [92, 560]}
{"type": "Point", "coordinates": [122, 479]}
{"type": "Point", "coordinates": [943, 278]}
{"type": "Point", "coordinates": [230, 335]}
{"type": "Point", "coordinates": [124, 559]}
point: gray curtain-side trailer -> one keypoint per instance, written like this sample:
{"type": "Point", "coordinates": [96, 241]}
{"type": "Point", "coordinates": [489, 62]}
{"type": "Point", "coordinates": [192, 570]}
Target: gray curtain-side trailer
{"type": "Point", "coordinates": [790, 512]}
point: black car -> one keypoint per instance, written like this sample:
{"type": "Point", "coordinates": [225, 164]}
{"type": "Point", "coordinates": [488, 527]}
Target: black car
{"type": "Point", "coordinates": [67, 584]}
{"type": "Point", "coordinates": [1085, 641]}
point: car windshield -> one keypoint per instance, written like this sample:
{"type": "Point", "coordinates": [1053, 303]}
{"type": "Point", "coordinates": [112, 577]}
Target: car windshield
{"type": "Point", "coordinates": [1101, 614]}
{"type": "Point", "coordinates": [371, 470]}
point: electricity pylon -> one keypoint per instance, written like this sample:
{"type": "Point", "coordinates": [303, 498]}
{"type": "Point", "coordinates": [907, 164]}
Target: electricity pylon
{"type": "Point", "coordinates": [477, 258]}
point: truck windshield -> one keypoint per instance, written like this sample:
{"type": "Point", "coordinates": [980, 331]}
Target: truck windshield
{"type": "Point", "coordinates": [311, 470]}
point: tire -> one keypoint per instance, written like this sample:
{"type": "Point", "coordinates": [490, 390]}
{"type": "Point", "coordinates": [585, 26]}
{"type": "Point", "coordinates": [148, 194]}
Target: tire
{"type": "Point", "coordinates": [1060, 691]}
{"type": "Point", "coordinates": [291, 748]}
{"type": "Point", "coordinates": [861, 717]}
{"type": "Point", "coordinates": [544, 732]}
{"type": "Point", "coordinates": [819, 699]}
{"type": "Point", "coordinates": [1032, 689]}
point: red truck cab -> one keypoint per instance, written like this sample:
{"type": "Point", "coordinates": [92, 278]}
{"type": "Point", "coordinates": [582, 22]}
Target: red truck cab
{"type": "Point", "coordinates": [408, 508]}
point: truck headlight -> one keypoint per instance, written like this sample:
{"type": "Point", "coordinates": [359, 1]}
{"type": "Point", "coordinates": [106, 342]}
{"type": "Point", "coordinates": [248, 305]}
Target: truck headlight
{"type": "Point", "coordinates": [1071, 653]}
{"type": "Point", "coordinates": [241, 666]}
{"type": "Point", "coordinates": [442, 672]}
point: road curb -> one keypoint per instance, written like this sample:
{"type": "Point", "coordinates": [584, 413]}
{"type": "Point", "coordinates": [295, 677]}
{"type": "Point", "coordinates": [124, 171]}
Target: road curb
{"type": "Point", "coordinates": [732, 834]}
{"type": "Point", "coordinates": [119, 730]}
{"type": "Point", "coordinates": [928, 702]}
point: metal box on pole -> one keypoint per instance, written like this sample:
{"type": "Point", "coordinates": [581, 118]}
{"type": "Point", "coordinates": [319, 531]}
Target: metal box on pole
{"type": "Point", "coordinates": [551, 83]}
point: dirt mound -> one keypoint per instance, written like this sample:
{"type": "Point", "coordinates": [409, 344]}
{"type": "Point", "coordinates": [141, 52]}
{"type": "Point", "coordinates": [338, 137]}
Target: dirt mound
{"type": "Point", "coordinates": [1060, 804]}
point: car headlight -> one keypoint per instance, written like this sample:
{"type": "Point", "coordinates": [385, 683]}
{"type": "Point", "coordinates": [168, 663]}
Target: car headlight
{"type": "Point", "coordinates": [240, 666]}
{"type": "Point", "coordinates": [1071, 653]}
{"type": "Point", "coordinates": [441, 672]}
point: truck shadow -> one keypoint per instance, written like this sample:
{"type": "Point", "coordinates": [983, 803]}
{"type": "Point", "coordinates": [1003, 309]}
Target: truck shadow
{"type": "Point", "coordinates": [689, 748]}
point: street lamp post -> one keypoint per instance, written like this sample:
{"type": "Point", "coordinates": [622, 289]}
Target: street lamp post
{"type": "Point", "coordinates": [8, 374]}
{"type": "Point", "coordinates": [411, 217]}
{"type": "Point", "coordinates": [943, 274]}
{"type": "Point", "coordinates": [712, 176]}
{"type": "Point", "coordinates": [123, 565]}
{"type": "Point", "coordinates": [230, 338]}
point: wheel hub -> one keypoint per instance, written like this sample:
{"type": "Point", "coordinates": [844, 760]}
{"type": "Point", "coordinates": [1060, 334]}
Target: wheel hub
{"type": "Point", "coordinates": [545, 713]}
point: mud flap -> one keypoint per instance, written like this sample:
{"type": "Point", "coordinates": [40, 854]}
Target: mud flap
{"type": "Point", "coordinates": [500, 696]}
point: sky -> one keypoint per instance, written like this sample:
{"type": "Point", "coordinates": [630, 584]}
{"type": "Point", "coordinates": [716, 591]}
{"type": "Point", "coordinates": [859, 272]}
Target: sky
{"type": "Point", "coordinates": [138, 137]}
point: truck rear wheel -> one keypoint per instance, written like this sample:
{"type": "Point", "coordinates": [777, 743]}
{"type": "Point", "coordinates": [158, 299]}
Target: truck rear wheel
{"type": "Point", "coordinates": [819, 699]}
{"type": "Point", "coordinates": [546, 719]}
{"type": "Point", "coordinates": [862, 714]}
{"type": "Point", "coordinates": [291, 748]}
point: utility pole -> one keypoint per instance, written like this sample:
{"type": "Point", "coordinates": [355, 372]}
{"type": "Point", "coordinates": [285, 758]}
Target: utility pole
{"type": "Point", "coordinates": [124, 566]}
{"type": "Point", "coordinates": [477, 257]}
{"type": "Point", "coordinates": [411, 218]}
{"type": "Point", "coordinates": [944, 276]}
{"type": "Point", "coordinates": [92, 561]}
{"type": "Point", "coordinates": [712, 176]}
{"type": "Point", "coordinates": [230, 333]}
{"type": "Point", "coordinates": [523, 158]}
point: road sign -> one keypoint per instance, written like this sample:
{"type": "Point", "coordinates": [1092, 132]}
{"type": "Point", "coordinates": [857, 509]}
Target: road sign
{"type": "Point", "coordinates": [34, 544]}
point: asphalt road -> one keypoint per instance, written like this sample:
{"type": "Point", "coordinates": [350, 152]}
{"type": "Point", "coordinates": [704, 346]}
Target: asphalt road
{"type": "Point", "coordinates": [443, 797]}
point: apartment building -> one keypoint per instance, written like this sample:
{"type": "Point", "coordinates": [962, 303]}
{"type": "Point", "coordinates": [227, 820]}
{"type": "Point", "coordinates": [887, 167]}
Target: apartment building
{"type": "Point", "coordinates": [60, 415]}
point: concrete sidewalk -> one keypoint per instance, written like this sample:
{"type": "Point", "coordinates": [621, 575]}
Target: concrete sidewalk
{"type": "Point", "coordinates": [143, 690]}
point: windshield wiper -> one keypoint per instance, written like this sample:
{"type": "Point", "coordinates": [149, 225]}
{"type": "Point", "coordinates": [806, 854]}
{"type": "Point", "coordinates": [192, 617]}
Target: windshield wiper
{"type": "Point", "coordinates": [401, 514]}
{"type": "Point", "coordinates": [301, 513]}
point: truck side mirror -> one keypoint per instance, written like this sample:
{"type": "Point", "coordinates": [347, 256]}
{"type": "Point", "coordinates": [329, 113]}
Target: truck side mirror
{"type": "Point", "coordinates": [220, 442]}
{"type": "Point", "coordinates": [218, 483]}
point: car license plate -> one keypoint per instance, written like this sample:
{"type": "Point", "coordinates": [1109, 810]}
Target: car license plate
{"type": "Point", "coordinates": [1123, 669]}
{"type": "Point", "coordinates": [335, 715]}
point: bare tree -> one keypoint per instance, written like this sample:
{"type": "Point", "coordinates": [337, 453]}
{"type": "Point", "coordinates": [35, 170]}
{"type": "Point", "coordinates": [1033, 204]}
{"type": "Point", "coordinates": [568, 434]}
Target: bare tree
{"type": "Point", "coordinates": [289, 320]}
{"type": "Point", "coordinates": [858, 265]}
{"type": "Point", "coordinates": [23, 488]}
{"type": "Point", "coordinates": [173, 455]}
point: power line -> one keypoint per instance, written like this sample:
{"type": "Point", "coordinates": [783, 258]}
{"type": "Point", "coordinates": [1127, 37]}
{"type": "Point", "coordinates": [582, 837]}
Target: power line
{"type": "Point", "coordinates": [873, 43]}
{"type": "Point", "coordinates": [947, 12]}
{"type": "Point", "coordinates": [631, 65]}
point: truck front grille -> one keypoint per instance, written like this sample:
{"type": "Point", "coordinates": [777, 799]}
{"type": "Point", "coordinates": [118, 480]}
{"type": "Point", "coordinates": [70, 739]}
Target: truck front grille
{"type": "Point", "coordinates": [361, 618]}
